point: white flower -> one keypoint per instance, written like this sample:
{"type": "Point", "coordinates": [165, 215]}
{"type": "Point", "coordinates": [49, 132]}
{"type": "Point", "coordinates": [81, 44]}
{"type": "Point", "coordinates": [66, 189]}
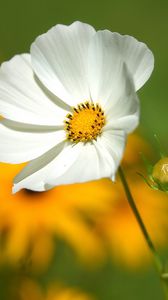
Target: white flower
{"type": "Point", "coordinates": [68, 106]}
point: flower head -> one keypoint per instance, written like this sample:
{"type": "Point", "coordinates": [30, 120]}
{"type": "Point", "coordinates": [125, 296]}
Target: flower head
{"type": "Point", "coordinates": [68, 106]}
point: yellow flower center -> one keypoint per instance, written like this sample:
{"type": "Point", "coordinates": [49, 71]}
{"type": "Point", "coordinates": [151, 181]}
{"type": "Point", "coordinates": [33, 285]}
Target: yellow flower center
{"type": "Point", "coordinates": [85, 123]}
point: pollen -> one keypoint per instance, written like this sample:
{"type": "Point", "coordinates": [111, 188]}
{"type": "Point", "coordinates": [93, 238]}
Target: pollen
{"type": "Point", "coordinates": [85, 123]}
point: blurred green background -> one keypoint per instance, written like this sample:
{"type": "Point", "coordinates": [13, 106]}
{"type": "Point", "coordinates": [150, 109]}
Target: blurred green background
{"type": "Point", "coordinates": [20, 22]}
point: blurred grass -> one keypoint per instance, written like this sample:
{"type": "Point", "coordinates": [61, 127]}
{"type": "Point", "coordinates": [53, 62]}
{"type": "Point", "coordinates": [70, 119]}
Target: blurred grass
{"type": "Point", "coordinates": [106, 282]}
{"type": "Point", "coordinates": [20, 22]}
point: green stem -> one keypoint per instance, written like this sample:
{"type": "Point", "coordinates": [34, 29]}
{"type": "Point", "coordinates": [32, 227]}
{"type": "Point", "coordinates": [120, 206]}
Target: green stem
{"type": "Point", "coordinates": [157, 259]}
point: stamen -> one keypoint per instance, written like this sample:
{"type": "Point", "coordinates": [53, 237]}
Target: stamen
{"type": "Point", "coordinates": [85, 123]}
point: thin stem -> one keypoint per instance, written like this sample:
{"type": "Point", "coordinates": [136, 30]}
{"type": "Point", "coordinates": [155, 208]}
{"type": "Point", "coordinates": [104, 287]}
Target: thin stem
{"type": "Point", "coordinates": [157, 259]}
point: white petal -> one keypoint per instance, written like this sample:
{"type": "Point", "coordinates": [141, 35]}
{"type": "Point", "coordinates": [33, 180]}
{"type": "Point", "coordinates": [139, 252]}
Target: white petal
{"type": "Point", "coordinates": [111, 83]}
{"type": "Point", "coordinates": [50, 165]}
{"type": "Point", "coordinates": [123, 112]}
{"type": "Point", "coordinates": [90, 164]}
{"type": "Point", "coordinates": [137, 56]}
{"type": "Point", "coordinates": [126, 123]}
{"type": "Point", "coordinates": [105, 68]}
{"type": "Point", "coordinates": [59, 58]}
{"type": "Point", "coordinates": [112, 142]}
{"type": "Point", "coordinates": [21, 142]}
{"type": "Point", "coordinates": [99, 159]}
{"type": "Point", "coordinates": [64, 165]}
{"type": "Point", "coordinates": [23, 98]}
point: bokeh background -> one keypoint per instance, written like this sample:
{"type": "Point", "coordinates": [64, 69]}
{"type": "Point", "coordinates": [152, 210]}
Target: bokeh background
{"type": "Point", "coordinates": [82, 242]}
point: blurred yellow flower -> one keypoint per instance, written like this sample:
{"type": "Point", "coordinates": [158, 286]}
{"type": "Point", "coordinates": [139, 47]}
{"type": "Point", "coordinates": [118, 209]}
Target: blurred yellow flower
{"type": "Point", "coordinates": [66, 294]}
{"type": "Point", "coordinates": [29, 219]}
{"type": "Point", "coordinates": [28, 289]}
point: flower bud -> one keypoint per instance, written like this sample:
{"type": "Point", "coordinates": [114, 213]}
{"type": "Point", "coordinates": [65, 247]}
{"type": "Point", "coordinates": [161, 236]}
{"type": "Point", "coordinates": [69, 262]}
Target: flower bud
{"type": "Point", "coordinates": [160, 171]}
